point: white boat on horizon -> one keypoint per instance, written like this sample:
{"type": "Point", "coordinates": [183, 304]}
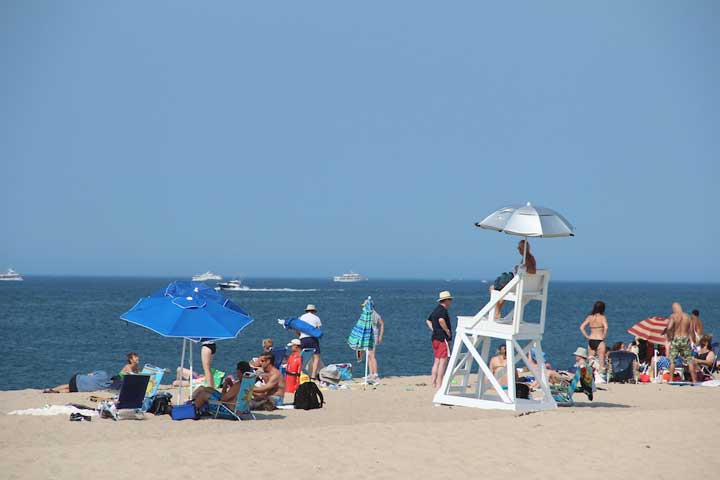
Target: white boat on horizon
{"type": "Point", "coordinates": [349, 277]}
{"type": "Point", "coordinates": [232, 286]}
{"type": "Point", "coordinates": [206, 276]}
{"type": "Point", "coordinates": [11, 276]}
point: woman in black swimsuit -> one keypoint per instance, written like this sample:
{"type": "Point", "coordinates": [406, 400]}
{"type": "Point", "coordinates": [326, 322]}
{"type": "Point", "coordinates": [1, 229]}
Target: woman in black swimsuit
{"type": "Point", "coordinates": [598, 332]}
{"type": "Point", "coordinates": [207, 353]}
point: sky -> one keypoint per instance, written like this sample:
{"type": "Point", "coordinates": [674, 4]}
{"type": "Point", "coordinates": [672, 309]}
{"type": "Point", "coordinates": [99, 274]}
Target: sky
{"type": "Point", "coordinates": [307, 139]}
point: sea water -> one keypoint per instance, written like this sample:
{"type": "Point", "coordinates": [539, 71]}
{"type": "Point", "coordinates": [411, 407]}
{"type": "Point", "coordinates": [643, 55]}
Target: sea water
{"type": "Point", "coordinates": [54, 327]}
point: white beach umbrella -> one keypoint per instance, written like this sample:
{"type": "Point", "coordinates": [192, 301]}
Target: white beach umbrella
{"type": "Point", "coordinates": [528, 221]}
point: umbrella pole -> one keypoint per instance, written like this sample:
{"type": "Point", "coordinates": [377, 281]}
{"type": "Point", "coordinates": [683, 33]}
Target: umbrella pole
{"type": "Point", "coordinates": [367, 355]}
{"type": "Point", "coordinates": [179, 373]}
{"type": "Point", "coordinates": [191, 371]}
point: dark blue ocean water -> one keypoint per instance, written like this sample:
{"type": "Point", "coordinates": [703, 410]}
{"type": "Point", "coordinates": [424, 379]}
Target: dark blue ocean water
{"type": "Point", "coordinates": [54, 327]}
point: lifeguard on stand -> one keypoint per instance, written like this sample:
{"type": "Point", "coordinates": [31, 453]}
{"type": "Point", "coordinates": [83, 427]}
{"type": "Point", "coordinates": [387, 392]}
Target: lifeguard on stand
{"type": "Point", "coordinates": [474, 334]}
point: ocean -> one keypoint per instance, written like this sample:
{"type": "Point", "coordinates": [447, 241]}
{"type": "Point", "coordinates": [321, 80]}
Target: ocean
{"type": "Point", "coordinates": [55, 327]}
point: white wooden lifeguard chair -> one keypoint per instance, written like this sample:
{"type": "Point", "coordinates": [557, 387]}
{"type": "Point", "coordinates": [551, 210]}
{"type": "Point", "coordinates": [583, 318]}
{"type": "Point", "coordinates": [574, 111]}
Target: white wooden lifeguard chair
{"type": "Point", "coordinates": [472, 347]}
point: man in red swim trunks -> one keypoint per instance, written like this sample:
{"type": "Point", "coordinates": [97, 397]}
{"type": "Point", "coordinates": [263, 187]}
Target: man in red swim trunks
{"type": "Point", "coordinates": [439, 324]}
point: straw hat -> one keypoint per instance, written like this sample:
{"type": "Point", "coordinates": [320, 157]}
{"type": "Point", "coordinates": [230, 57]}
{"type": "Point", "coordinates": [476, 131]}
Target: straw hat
{"type": "Point", "coordinates": [444, 295]}
{"type": "Point", "coordinates": [294, 341]}
{"type": "Point", "coordinates": [310, 308]}
{"type": "Point", "coordinates": [580, 352]}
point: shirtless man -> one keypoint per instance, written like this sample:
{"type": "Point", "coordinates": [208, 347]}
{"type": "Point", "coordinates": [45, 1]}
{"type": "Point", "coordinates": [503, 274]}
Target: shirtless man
{"type": "Point", "coordinates": [273, 386]}
{"type": "Point", "coordinates": [498, 365]}
{"type": "Point", "coordinates": [678, 335]}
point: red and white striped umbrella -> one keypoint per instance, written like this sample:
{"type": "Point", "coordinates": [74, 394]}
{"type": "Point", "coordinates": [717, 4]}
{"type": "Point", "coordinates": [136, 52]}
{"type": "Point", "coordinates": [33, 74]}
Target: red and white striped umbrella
{"type": "Point", "coordinates": [651, 329]}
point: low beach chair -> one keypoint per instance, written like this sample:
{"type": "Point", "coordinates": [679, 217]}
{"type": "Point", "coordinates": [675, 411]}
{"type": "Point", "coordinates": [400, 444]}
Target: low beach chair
{"type": "Point", "coordinates": [622, 366]}
{"type": "Point", "coordinates": [241, 406]}
{"type": "Point", "coordinates": [156, 376]}
{"type": "Point", "coordinates": [131, 396]}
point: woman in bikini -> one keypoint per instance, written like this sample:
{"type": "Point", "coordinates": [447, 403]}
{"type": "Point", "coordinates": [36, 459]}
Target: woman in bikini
{"type": "Point", "coordinates": [598, 332]}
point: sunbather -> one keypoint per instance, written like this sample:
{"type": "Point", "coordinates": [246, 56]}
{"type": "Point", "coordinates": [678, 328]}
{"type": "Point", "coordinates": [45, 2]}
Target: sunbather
{"type": "Point", "coordinates": [230, 388]}
{"type": "Point", "coordinates": [705, 358]}
{"type": "Point", "coordinates": [271, 391]}
{"type": "Point", "coordinates": [132, 366]}
{"type": "Point", "coordinates": [90, 382]}
{"type": "Point", "coordinates": [184, 374]}
{"type": "Point", "coordinates": [498, 365]}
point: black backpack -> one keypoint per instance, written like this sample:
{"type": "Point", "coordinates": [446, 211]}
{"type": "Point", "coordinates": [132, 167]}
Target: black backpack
{"type": "Point", "coordinates": [308, 397]}
{"type": "Point", "coordinates": [161, 404]}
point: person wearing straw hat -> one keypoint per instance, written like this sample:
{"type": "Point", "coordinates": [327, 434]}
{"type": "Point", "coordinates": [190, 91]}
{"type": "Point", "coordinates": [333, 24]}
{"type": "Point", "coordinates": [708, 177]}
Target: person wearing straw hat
{"type": "Point", "coordinates": [439, 324]}
{"type": "Point", "coordinates": [307, 341]}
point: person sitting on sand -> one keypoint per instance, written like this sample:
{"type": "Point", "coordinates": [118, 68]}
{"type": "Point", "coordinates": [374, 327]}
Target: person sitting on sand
{"type": "Point", "coordinates": [705, 357]}
{"type": "Point", "coordinates": [679, 334]}
{"type": "Point", "coordinates": [132, 366]}
{"type": "Point", "coordinates": [184, 375]}
{"type": "Point", "coordinates": [271, 392]}
{"type": "Point", "coordinates": [90, 382]}
{"type": "Point", "coordinates": [528, 264]}
{"type": "Point", "coordinates": [498, 365]}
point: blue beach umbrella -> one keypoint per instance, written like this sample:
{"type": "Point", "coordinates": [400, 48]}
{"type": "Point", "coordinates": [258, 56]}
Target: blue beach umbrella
{"type": "Point", "coordinates": [362, 336]}
{"type": "Point", "coordinates": [191, 311]}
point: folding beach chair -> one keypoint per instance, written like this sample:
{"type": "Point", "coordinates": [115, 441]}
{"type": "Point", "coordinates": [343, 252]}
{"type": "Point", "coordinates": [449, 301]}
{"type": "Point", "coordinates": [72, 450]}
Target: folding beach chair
{"type": "Point", "coordinates": [241, 406]}
{"type": "Point", "coordinates": [156, 376]}
{"type": "Point", "coordinates": [708, 373]}
{"type": "Point", "coordinates": [621, 366]}
{"type": "Point", "coordinates": [130, 397]}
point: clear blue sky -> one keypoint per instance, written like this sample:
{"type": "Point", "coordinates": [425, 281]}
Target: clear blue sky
{"type": "Point", "coordinates": [310, 138]}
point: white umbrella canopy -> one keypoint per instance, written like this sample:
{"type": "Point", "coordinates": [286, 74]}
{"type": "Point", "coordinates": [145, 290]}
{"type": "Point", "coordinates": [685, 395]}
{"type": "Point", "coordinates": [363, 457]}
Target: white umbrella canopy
{"type": "Point", "coordinates": [528, 221]}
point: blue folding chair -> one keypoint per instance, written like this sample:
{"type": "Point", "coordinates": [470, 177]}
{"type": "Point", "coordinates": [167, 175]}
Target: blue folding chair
{"type": "Point", "coordinates": [241, 406]}
{"type": "Point", "coordinates": [130, 397]}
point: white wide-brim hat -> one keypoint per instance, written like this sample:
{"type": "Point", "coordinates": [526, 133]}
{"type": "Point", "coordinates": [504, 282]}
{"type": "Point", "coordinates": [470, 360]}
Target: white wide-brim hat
{"type": "Point", "coordinates": [310, 308]}
{"type": "Point", "coordinates": [444, 295]}
{"type": "Point", "coordinates": [580, 352]}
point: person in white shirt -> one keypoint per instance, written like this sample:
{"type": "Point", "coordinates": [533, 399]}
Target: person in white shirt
{"type": "Point", "coordinates": [307, 341]}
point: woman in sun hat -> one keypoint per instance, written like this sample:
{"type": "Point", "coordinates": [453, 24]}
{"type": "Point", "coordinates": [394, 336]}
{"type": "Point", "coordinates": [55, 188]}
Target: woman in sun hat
{"type": "Point", "coordinates": [439, 324]}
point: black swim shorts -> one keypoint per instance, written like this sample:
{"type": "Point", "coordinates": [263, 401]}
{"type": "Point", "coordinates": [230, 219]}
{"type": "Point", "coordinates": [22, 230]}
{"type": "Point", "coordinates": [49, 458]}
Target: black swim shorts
{"type": "Point", "coordinates": [310, 342]}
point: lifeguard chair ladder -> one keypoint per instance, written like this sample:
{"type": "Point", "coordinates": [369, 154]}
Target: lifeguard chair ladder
{"type": "Point", "coordinates": [472, 346]}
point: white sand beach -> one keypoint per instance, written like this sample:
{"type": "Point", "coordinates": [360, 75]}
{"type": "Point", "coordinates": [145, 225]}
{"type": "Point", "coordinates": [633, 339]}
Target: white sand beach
{"type": "Point", "coordinates": [391, 431]}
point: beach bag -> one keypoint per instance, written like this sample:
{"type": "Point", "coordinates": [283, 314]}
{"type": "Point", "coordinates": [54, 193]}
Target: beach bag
{"type": "Point", "coordinates": [308, 397]}
{"type": "Point", "coordinates": [185, 411]}
{"type": "Point", "coordinates": [502, 280]}
{"type": "Point", "coordinates": [522, 391]}
{"type": "Point", "coordinates": [161, 404]}
{"type": "Point", "coordinates": [345, 370]}
{"type": "Point", "coordinates": [330, 374]}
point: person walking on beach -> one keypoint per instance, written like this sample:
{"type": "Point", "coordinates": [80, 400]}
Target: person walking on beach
{"type": "Point", "coordinates": [679, 334]}
{"type": "Point", "coordinates": [598, 333]}
{"type": "Point", "coordinates": [439, 324]}
{"type": "Point", "coordinates": [378, 331]}
{"type": "Point", "coordinates": [307, 341]}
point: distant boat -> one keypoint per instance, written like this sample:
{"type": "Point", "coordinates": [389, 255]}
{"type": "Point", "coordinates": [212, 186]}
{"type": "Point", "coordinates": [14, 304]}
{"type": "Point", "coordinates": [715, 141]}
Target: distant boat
{"type": "Point", "coordinates": [232, 285]}
{"type": "Point", "coordinates": [10, 276]}
{"type": "Point", "coordinates": [206, 276]}
{"type": "Point", "coordinates": [349, 277]}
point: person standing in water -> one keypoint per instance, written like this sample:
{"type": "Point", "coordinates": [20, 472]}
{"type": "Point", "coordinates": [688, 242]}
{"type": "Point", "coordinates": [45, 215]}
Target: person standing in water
{"type": "Point", "coordinates": [598, 333]}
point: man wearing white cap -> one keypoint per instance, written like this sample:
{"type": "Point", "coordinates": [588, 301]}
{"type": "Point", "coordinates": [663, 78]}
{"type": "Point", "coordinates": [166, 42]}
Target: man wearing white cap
{"type": "Point", "coordinates": [439, 324]}
{"type": "Point", "coordinates": [307, 341]}
{"type": "Point", "coordinates": [293, 367]}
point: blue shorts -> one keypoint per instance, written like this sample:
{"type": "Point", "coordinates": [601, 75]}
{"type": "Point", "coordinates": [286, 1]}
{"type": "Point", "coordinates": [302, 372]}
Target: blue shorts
{"type": "Point", "coordinates": [310, 342]}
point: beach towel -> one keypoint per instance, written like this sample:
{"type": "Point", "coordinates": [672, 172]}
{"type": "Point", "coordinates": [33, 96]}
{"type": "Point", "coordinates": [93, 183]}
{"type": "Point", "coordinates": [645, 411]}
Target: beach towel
{"type": "Point", "coordinates": [53, 410]}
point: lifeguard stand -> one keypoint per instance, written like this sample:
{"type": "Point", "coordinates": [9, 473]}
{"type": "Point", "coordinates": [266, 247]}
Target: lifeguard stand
{"type": "Point", "coordinates": [472, 346]}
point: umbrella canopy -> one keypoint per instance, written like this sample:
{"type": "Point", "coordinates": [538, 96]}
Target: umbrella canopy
{"type": "Point", "coordinates": [362, 336]}
{"type": "Point", "coordinates": [651, 329]}
{"type": "Point", "coordinates": [189, 310]}
{"type": "Point", "coordinates": [528, 221]}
